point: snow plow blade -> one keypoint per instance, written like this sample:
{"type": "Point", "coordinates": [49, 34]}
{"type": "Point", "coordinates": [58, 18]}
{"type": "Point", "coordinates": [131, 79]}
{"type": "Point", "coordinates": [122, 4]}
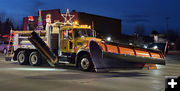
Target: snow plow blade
{"type": "Point", "coordinates": [43, 49]}
{"type": "Point", "coordinates": [105, 56]}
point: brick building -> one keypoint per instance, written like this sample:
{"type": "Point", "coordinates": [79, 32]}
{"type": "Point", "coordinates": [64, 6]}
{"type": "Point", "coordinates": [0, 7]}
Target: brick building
{"type": "Point", "coordinates": [104, 26]}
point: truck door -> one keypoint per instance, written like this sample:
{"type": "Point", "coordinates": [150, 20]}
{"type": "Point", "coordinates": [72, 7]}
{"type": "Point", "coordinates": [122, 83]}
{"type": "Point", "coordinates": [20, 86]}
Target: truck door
{"type": "Point", "coordinates": [67, 41]}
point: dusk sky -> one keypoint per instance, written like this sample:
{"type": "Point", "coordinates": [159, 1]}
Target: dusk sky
{"type": "Point", "coordinates": [151, 13]}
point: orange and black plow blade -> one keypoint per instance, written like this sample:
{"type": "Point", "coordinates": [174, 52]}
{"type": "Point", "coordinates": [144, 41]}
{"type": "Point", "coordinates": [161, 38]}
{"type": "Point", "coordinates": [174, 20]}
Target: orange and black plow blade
{"type": "Point", "coordinates": [122, 56]}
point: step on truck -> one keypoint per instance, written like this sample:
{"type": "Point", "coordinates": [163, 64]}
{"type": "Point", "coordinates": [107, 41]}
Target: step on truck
{"type": "Point", "coordinates": [71, 43]}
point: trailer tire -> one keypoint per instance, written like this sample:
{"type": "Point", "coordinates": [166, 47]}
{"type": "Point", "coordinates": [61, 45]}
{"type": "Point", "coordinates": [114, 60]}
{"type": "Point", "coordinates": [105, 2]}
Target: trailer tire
{"type": "Point", "coordinates": [85, 63]}
{"type": "Point", "coordinates": [35, 59]}
{"type": "Point", "coordinates": [22, 58]}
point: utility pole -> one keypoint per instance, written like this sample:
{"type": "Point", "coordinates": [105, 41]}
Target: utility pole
{"type": "Point", "coordinates": [167, 18]}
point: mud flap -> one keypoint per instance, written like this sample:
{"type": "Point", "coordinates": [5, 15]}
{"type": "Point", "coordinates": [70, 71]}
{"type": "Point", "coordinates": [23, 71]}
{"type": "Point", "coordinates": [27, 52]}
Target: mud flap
{"type": "Point", "coordinates": [107, 60]}
{"type": "Point", "coordinates": [43, 49]}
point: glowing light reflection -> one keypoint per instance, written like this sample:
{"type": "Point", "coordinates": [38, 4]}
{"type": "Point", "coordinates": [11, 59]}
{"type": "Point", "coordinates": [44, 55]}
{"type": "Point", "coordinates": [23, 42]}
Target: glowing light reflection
{"type": "Point", "coordinates": [35, 69]}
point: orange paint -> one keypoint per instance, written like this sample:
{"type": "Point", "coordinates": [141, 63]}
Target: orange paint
{"type": "Point", "coordinates": [150, 66]}
{"type": "Point", "coordinates": [155, 55]}
{"type": "Point", "coordinates": [112, 49]}
{"type": "Point", "coordinates": [126, 51]}
{"type": "Point", "coordinates": [102, 46]}
{"type": "Point", "coordinates": [142, 53]}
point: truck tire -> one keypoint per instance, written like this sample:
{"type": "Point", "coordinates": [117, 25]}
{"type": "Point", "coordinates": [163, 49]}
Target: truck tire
{"type": "Point", "coordinates": [35, 59]}
{"type": "Point", "coordinates": [85, 63]}
{"type": "Point", "coordinates": [22, 58]}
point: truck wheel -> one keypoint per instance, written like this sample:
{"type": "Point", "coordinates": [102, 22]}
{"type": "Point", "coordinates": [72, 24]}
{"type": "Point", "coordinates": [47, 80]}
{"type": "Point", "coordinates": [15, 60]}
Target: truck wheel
{"type": "Point", "coordinates": [85, 63]}
{"type": "Point", "coordinates": [35, 59]}
{"type": "Point", "coordinates": [22, 58]}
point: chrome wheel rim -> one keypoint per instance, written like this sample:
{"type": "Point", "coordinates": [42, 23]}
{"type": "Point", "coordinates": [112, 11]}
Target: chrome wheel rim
{"type": "Point", "coordinates": [85, 63]}
{"type": "Point", "coordinates": [34, 59]}
{"type": "Point", "coordinates": [21, 58]}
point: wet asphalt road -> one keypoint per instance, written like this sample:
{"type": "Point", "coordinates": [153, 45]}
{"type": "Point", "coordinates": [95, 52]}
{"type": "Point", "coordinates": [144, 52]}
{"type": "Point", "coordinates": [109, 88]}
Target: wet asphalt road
{"type": "Point", "coordinates": [14, 77]}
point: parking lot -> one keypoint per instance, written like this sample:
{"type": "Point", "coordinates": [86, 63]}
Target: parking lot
{"type": "Point", "coordinates": [14, 77]}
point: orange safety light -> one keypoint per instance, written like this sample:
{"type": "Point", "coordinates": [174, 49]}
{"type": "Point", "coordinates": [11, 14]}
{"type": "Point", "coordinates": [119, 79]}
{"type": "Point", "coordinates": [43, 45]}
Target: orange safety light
{"type": "Point", "coordinates": [76, 22]}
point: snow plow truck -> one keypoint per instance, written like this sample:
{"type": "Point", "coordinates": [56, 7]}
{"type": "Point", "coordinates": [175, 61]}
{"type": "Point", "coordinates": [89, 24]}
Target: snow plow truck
{"type": "Point", "coordinates": [71, 43]}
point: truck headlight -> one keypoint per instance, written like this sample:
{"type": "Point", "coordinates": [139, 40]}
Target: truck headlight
{"type": "Point", "coordinates": [145, 46]}
{"type": "Point", "coordinates": [108, 39]}
{"type": "Point", "coordinates": [155, 47]}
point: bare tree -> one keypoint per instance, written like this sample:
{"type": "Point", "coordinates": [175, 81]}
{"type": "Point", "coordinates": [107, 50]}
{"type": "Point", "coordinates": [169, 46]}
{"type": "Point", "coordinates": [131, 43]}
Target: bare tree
{"type": "Point", "coordinates": [6, 26]}
{"type": "Point", "coordinates": [154, 32]}
{"type": "Point", "coordinates": [2, 16]}
{"type": "Point", "coordinates": [5, 23]}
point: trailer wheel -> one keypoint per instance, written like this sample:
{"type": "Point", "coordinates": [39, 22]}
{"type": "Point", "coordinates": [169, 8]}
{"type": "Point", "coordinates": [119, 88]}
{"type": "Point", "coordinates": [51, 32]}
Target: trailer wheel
{"type": "Point", "coordinates": [35, 59]}
{"type": "Point", "coordinates": [85, 63]}
{"type": "Point", "coordinates": [22, 58]}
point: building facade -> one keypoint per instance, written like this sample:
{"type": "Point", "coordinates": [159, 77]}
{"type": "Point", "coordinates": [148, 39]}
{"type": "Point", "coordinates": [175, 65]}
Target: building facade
{"type": "Point", "coordinates": [104, 26]}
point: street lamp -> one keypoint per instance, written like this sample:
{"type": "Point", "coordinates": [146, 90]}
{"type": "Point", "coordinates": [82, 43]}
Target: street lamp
{"type": "Point", "coordinates": [108, 39]}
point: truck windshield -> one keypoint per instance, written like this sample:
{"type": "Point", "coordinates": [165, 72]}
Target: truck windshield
{"type": "Point", "coordinates": [83, 33]}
